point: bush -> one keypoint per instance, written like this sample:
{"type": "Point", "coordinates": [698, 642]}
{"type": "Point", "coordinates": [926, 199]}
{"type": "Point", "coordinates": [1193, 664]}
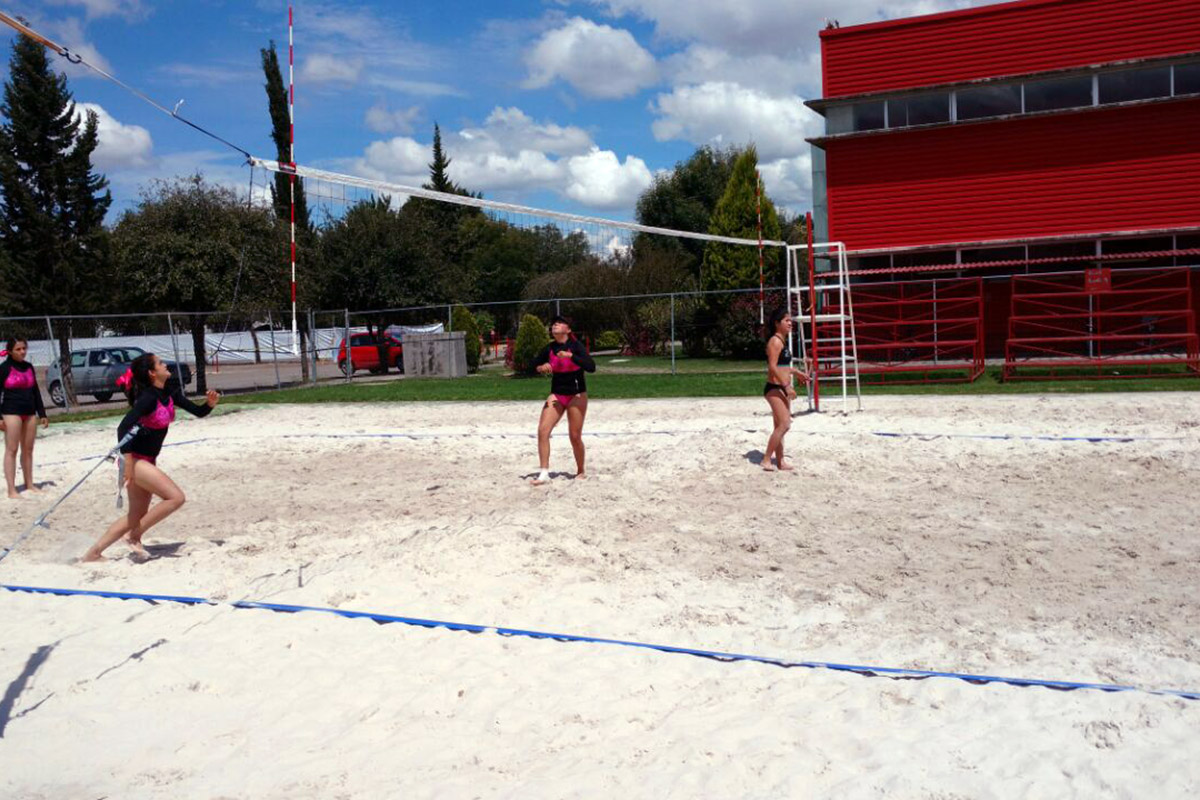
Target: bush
{"type": "Point", "coordinates": [461, 320]}
{"type": "Point", "coordinates": [532, 336]}
{"type": "Point", "coordinates": [738, 333]}
{"type": "Point", "coordinates": [485, 323]}
{"type": "Point", "coordinates": [610, 340]}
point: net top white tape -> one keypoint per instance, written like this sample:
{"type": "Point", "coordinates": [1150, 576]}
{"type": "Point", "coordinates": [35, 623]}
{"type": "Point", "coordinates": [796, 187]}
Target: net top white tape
{"type": "Point", "coordinates": [494, 205]}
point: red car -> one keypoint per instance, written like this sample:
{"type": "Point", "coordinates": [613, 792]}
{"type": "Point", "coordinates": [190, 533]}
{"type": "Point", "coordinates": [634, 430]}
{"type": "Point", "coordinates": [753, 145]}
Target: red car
{"type": "Point", "coordinates": [364, 354]}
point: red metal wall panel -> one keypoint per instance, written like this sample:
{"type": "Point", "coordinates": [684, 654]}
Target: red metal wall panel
{"type": "Point", "coordinates": [1004, 39]}
{"type": "Point", "coordinates": [1114, 169]}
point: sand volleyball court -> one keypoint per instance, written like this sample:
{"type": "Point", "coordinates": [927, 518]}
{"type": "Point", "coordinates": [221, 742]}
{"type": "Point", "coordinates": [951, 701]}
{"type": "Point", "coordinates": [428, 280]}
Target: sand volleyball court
{"type": "Point", "coordinates": [992, 537]}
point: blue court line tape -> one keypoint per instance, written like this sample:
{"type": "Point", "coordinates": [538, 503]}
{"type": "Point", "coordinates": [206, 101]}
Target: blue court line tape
{"type": "Point", "coordinates": [615, 434]}
{"type": "Point", "coordinates": [897, 673]}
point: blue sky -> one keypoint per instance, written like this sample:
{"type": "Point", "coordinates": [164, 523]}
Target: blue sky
{"type": "Point", "coordinates": [566, 104]}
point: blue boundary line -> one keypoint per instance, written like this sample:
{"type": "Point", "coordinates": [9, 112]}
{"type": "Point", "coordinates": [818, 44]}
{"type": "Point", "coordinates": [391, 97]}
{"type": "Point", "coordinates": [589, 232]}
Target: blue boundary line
{"type": "Point", "coordinates": [897, 673]}
{"type": "Point", "coordinates": [1011, 437]}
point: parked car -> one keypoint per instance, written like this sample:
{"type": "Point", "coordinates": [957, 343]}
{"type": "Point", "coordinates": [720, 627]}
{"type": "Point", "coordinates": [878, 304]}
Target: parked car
{"type": "Point", "coordinates": [364, 354]}
{"type": "Point", "coordinates": [95, 372]}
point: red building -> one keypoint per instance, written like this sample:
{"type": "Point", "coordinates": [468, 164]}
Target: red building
{"type": "Point", "coordinates": [1014, 139]}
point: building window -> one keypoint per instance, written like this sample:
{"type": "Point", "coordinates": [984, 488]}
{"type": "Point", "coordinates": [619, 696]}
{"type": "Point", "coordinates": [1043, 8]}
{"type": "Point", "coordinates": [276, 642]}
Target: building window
{"type": "Point", "coordinates": [1058, 93]}
{"type": "Point", "coordinates": [919, 109]}
{"type": "Point", "coordinates": [1079, 254]}
{"type": "Point", "coordinates": [1187, 242]}
{"type": "Point", "coordinates": [1133, 247]}
{"type": "Point", "coordinates": [989, 101]}
{"type": "Point", "coordinates": [869, 116]}
{"type": "Point", "coordinates": [839, 119]}
{"type": "Point", "coordinates": [1187, 78]}
{"type": "Point", "coordinates": [990, 255]}
{"type": "Point", "coordinates": [1135, 84]}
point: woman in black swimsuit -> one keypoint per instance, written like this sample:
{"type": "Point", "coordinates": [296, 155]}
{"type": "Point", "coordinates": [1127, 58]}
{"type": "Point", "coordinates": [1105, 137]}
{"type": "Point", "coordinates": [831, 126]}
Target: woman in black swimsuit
{"type": "Point", "coordinates": [21, 411]}
{"type": "Point", "coordinates": [152, 410]}
{"type": "Point", "coordinates": [778, 391]}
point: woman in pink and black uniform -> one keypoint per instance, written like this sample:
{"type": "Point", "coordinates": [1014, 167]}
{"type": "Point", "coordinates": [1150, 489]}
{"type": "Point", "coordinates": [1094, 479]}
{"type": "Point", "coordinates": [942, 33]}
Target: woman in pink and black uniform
{"type": "Point", "coordinates": [564, 360]}
{"type": "Point", "coordinates": [152, 411]}
{"type": "Point", "coordinates": [21, 409]}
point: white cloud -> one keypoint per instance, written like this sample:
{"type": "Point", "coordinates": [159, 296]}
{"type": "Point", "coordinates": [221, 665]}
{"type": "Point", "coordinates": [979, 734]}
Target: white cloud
{"type": "Point", "coordinates": [788, 181]}
{"type": "Point", "coordinates": [512, 129]}
{"type": "Point", "coordinates": [120, 146]}
{"type": "Point", "coordinates": [130, 9]}
{"type": "Point", "coordinates": [329, 68]}
{"type": "Point", "coordinates": [599, 180]}
{"type": "Point", "coordinates": [728, 114]}
{"type": "Point", "coordinates": [185, 74]}
{"type": "Point", "coordinates": [766, 26]}
{"type": "Point", "coordinates": [767, 72]}
{"type": "Point", "coordinates": [510, 153]}
{"type": "Point", "coordinates": [362, 47]}
{"type": "Point", "coordinates": [400, 160]}
{"type": "Point", "coordinates": [382, 119]}
{"type": "Point", "coordinates": [599, 61]}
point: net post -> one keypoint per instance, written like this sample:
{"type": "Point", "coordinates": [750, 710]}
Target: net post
{"type": "Point", "coordinates": [672, 342]}
{"type": "Point", "coordinates": [312, 355]}
{"type": "Point", "coordinates": [348, 364]}
{"type": "Point", "coordinates": [175, 348]}
{"type": "Point", "coordinates": [275, 350]}
{"type": "Point", "coordinates": [54, 349]}
{"type": "Point", "coordinates": [812, 305]}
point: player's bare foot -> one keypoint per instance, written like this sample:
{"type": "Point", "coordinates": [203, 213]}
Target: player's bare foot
{"type": "Point", "coordinates": [785, 466]}
{"type": "Point", "coordinates": [14, 495]}
{"type": "Point", "coordinates": [542, 478]}
{"type": "Point", "coordinates": [36, 489]}
{"type": "Point", "coordinates": [767, 465]}
{"type": "Point", "coordinates": [136, 548]}
{"type": "Point", "coordinates": [581, 476]}
{"type": "Point", "coordinates": [90, 558]}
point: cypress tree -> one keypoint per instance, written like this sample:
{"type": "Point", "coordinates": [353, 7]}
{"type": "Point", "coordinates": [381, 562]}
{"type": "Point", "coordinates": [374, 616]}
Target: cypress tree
{"type": "Point", "coordinates": [53, 205]}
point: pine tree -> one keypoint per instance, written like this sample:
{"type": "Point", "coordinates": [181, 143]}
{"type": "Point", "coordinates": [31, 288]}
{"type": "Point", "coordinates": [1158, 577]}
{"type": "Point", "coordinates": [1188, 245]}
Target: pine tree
{"type": "Point", "coordinates": [735, 266]}
{"type": "Point", "coordinates": [440, 226]}
{"type": "Point", "coordinates": [52, 213]}
{"type": "Point", "coordinates": [439, 176]}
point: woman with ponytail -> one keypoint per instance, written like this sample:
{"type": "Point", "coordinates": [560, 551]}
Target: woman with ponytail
{"type": "Point", "coordinates": [152, 410]}
{"type": "Point", "coordinates": [21, 411]}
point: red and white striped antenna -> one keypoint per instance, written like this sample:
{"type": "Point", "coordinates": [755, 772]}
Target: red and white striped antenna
{"type": "Point", "coordinates": [292, 174]}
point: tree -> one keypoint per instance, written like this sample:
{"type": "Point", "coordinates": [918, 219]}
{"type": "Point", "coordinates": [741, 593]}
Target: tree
{"type": "Point", "coordinates": [281, 135]}
{"type": "Point", "coordinates": [439, 175]}
{"type": "Point", "coordinates": [52, 215]}
{"type": "Point", "coordinates": [281, 193]}
{"type": "Point", "coordinates": [462, 320]}
{"type": "Point", "coordinates": [183, 246]}
{"type": "Point", "coordinates": [684, 199]}
{"type": "Point", "coordinates": [735, 266]}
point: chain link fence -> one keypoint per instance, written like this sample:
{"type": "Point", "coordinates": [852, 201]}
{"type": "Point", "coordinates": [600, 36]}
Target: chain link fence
{"type": "Point", "coordinates": [80, 358]}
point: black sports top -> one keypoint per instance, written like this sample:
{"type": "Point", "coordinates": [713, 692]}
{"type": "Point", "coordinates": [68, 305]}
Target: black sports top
{"type": "Point", "coordinates": [19, 393]}
{"type": "Point", "coordinates": [785, 355]}
{"type": "Point", "coordinates": [567, 378]}
{"type": "Point", "coordinates": [153, 412]}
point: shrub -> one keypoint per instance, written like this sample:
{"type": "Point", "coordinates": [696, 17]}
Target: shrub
{"type": "Point", "coordinates": [485, 323]}
{"type": "Point", "coordinates": [738, 333]}
{"type": "Point", "coordinates": [461, 320]}
{"type": "Point", "coordinates": [610, 340]}
{"type": "Point", "coordinates": [532, 336]}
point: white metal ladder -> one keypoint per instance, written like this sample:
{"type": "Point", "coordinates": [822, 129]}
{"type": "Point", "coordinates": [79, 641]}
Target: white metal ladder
{"type": "Point", "coordinates": [817, 300]}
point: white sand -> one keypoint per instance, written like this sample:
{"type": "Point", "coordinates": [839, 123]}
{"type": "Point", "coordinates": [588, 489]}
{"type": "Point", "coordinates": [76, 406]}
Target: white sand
{"type": "Point", "coordinates": [1028, 558]}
